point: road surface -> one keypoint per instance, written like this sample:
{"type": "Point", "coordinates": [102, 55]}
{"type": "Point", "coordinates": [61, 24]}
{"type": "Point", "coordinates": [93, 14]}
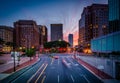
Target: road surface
{"type": "Point", "coordinates": [65, 69]}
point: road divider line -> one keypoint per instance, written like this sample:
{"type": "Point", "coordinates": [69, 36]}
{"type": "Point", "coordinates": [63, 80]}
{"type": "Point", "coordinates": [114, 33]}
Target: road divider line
{"type": "Point", "coordinates": [72, 78]}
{"type": "Point", "coordinates": [41, 73]}
{"type": "Point", "coordinates": [91, 72]}
{"type": "Point", "coordinates": [43, 79]}
{"type": "Point", "coordinates": [66, 63]}
{"type": "Point", "coordinates": [58, 79]}
{"type": "Point", "coordinates": [52, 61]}
{"type": "Point", "coordinates": [35, 74]}
{"type": "Point", "coordinates": [86, 79]}
{"type": "Point", "coordinates": [58, 61]}
{"type": "Point", "coordinates": [71, 60]}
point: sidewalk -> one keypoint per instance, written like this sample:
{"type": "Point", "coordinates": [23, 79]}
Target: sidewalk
{"type": "Point", "coordinates": [100, 74]}
{"type": "Point", "coordinates": [9, 64]}
{"type": "Point", "coordinates": [25, 64]}
{"type": "Point", "coordinates": [7, 67]}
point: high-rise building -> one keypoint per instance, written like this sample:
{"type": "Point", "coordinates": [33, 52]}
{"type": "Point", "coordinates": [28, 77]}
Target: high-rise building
{"type": "Point", "coordinates": [81, 39]}
{"type": "Point", "coordinates": [93, 23]}
{"type": "Point", "coordinates": [70, 39]}
{"type": "Point", "coordinates": [6, 33]}
{"type": "Point", "coordinates": [56, 32]}
{"type": "Point", "coordinates": [114, 15]}
{"type": "Point", "coordinates": [109, 44]}
{"type": "Point", "coordinates": [43, 34]}
{"type": "Point", "coordinates": [27, 34]}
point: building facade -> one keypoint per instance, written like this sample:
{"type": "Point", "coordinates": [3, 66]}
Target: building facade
{"type": "Point", "coordinates": [106, 44]}
{"type": "Point", "coordinates": [114, 15]}
{"type": "Point", "coordinates": [93, 23]}
{"type": "Point", "coordinates": [27, 34]}
{"type": "Point", "coordinates": [56, 32]}
{"type": "Point", "coordinates": [70, 39]}
{"type": "Point", "coordinates": [81, 39]}
{"type": "Point", "coordinates": [109, 44]}
{"type": "Point", "coordinates": [6, 33]}
{"type": "Point", "coordinates": [43, 34]}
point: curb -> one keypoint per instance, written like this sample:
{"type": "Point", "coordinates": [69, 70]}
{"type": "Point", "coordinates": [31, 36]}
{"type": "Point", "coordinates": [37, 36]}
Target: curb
{"type": "Point", "coordinates": [89, 69]}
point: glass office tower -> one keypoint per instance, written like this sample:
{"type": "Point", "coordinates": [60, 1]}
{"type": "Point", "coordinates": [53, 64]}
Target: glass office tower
{"type": "Point", "coordinates": [114, 15]}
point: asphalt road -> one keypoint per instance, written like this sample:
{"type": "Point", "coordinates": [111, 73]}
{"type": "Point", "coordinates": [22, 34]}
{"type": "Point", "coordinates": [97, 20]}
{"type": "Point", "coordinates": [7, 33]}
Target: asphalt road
{"type": "Point", "coordinates": [50, 70]}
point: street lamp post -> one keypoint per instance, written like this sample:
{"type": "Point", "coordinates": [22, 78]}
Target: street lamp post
{"type": "Point", "coordinates": [38, 54]}
{"type": "Point", "coordinates": [14, 61]}
{"type": "Point", "coordinates": [18, 57]}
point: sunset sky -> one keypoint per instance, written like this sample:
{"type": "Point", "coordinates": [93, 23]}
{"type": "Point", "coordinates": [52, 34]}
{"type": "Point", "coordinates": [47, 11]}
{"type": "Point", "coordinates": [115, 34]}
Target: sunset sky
{"type": "Point", "coordinates": [45, 12]}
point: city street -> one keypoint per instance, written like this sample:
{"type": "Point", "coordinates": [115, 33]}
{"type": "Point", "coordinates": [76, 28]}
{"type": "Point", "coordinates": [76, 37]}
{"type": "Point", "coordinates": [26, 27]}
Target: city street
{"type": "Point", "coordinates": [63, 69]}
{"type": "Point", "coordinates": [60, 41]}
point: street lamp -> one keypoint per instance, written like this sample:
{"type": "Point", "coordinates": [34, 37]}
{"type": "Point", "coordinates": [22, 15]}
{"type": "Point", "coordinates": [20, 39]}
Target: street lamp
{"type": "Point", "coordinates": [14, 61]}
{"type": "Point", "coordinates": [38, 53]}
{"type": "Point", "coordinates": [18, 57]}
{"type": "Point", "coordinates": [13, 55]}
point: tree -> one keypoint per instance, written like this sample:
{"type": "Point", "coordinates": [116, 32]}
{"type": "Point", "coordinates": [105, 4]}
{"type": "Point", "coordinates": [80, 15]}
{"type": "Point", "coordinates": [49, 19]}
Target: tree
{"type": "Point", "coordinates": [30, 52]}
{"type": "Point", "coordinates": [55, 45]}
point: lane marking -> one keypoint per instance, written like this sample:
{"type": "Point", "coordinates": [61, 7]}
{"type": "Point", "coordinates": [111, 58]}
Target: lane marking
{"type": "Point", "coordinates": [52, 61]}
{"type": "Point", "coordinates": [74, 61]}
{"type": "Point", "coordinates": [41, 73]}
{"type": "Point", "coordinates": [35, 74]}
{"type": "Point", "coordinates": [43, 79]}
{"type": "Point", "coordinates": [70, 60]}
{"type": "Point", "coordinates": [66, 63]}
{"type": "Point", "coordinates": [58, 61]}
{"type": "Point", "coordinates": [91, 72]}
{"type": "Point", "coordinates": [27, 65]}
{"type": "Point", "coordinates": [86, 79]}
{"type": "Point", "coordinates": [58, 78]}
{"type": "Point", "coordinates": [72, 78]}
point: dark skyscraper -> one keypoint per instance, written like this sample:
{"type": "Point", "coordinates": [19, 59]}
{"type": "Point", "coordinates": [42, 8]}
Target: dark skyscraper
{"type": "Point", "coordinates": [56, 32]}
{"type": "Point", "coordinates": [70, 39]}
{"type": "Point", "coordinates": [114, 15]}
